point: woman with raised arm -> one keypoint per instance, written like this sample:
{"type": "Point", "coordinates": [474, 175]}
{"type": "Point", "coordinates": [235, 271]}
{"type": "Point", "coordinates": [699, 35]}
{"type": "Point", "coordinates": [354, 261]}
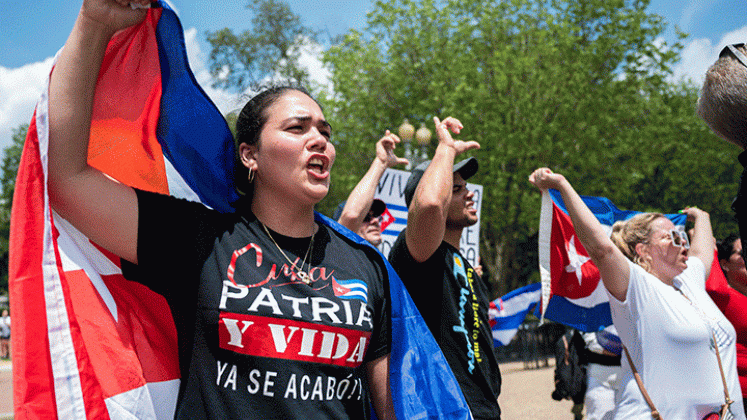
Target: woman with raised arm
{"type": "Point", "coordinates": [655, 279]}
{"type": "Point", "coordinates": [265, 329]}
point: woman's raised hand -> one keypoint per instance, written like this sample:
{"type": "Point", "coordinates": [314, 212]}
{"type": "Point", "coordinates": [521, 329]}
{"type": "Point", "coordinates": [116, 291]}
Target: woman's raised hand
{"type": "Point", "coordinates": [114, 15]}
{"type": "Point", "coordinates": [544, 179]}
{"type": "Point", "coordinates": [693, 213]}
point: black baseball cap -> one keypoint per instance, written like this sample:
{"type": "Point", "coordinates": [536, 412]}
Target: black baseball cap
{"type": "Point", "coordinates": [377, 207]}
{"type": "Point", "coordinates": [466, 169]}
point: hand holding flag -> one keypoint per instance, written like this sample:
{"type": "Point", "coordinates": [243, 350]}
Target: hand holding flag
{"type": "Point", "coordinates": [545, 179]}
{"type": "Point", "coordinates": [114, 15]}
{"type": "Point", "coordinates": [572, 293]}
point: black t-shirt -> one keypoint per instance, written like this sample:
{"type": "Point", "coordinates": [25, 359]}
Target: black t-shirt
{"type": "Point", "coordinates": [255, 342]}
{"type": "Point", "coordinates": [448, 309]}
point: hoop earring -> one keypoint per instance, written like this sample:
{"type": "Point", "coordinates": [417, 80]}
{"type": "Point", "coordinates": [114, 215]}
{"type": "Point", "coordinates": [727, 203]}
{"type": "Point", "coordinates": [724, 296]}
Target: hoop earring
{"type": "Point", "coordinates": [643, 262]}
{"type": "Point", "coordinates": [251, 176]}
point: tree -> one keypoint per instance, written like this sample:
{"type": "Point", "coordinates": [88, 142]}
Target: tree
{"type": "Point", "coordinates": [11, 159]}
{"type": "Point", "coordinates": [579, 86]}
{"type": "Point", "coordinates": [271, 47]}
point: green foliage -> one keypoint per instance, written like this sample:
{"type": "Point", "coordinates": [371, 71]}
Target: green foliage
{"type": "Point", "coordinates": [270, 47]}
{"type": "Point", "coordinates": [11, 159]}
{"type": "Point", "coordinates": [579, 86]}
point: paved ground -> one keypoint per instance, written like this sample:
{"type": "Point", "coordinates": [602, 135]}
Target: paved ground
{"type": "Point", "coordinates": [6, 390]}
{"type": "Point", "coordinates": [525, 393]}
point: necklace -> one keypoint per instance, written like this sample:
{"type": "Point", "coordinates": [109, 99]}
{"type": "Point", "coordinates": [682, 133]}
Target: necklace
{"type": "Point", "coordinates": [303, 275]}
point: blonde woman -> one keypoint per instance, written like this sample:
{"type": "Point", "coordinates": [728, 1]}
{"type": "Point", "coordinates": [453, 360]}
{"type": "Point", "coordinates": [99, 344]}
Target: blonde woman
{"type": "Point", "coordinates": [655, 279]}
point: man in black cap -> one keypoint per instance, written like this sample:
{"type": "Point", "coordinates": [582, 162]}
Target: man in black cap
{"type": "Point", "coordinates": [361, 213]}
{"type": "Point", "coordinates": [442, 283]}
{"type": "Point", "coordinates": [369, 228]}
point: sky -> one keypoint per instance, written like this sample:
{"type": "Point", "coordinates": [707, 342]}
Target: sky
{"type": "Point", "coordinates": [32, 35]}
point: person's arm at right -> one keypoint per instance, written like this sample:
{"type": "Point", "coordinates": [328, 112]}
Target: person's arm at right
{"type": "Point", "coordinates": [702, 243]}
{"type": "Point", "coordinates": [426, 217]}
{"type": "Point", "coordinates": [612, 264]}
{"type": "Point", "coordinates": [101, 208]}
{"type": "Point", "coordinates": [360, 199]}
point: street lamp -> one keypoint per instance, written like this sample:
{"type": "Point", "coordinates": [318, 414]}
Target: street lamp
{"type": "Point", "coordinates": [406, 133]}
{"type": "Point", "coordinates": [423, 136]}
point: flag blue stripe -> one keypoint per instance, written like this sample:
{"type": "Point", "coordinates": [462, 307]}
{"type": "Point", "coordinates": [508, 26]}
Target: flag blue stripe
{"type": "Point", "coordinates": [193, 134]}
{"type": "Point", "coordinates": [520, 291]}
{"type": "Point", "coordinates": [512, 322]}
{"type": "Point", "coordinates": [561, 310]}
{"type": "Point", "coordinates": [357, 291]}
{"type": "Point", "coordinates": [358, 296]}
{"type": "Point", "coordinates": [353, 284]}
{"type": "Point", "coordinates": [396, 207]}
{"type": "Point", "coordinates": [606, 212]}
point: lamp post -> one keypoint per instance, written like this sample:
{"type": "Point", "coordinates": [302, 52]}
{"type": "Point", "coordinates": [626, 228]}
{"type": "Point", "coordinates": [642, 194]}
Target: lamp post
{"type": "Point", "coordinates": [406, 133]}
{"type": "Point", "coordinates": [423, 136]}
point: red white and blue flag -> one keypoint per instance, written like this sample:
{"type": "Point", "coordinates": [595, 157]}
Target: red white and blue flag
{"type": "Point", "coordinates": [88, 344]}
{"type": "Point", "coordinates": [350, 289]}
{"type": "Point", "coordinates": [508, 312]}
{"type": "Point", "coordinates": [386, 219]}
{"type": "Point", "coordinates": [572, 293]}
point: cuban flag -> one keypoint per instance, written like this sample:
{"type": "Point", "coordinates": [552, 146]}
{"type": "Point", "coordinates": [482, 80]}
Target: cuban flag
{"type": "Point", "coordinates": [350, 289]}
{"type": "Point", "coordinates": [572, 293]}
{"type": "Point", "coordinates": [508, 312]}
{"type": "Point", "coordinates": [88, 344]}
{"type": "Point", "coordinates": [386, 219]}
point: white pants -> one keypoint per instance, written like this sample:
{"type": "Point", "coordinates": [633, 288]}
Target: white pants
{"type": "Point", "coordinates": [600, 392]}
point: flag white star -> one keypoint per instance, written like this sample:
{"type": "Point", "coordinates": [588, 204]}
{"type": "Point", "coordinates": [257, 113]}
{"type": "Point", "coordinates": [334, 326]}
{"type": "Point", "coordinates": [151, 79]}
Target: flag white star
{"type": "Point", "coordinates": [576, 261]}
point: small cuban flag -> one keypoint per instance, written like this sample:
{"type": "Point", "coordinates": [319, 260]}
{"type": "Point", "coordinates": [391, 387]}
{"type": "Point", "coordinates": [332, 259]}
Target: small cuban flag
{"type": "Point", "coordinates": [508, 312]}
{"type": "Point", "coordinates": [386, 219]}
{"type": "Point", "coordinates": [350, 289]}
{"type": "Point", "coordinates": [571, 291]}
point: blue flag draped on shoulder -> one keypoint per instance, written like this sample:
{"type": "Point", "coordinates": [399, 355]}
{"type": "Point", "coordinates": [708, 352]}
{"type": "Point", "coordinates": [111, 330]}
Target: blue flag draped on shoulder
{"type": "Point", "coordinates": [422, 383]}
{"type": "Point", "coordinates": [508, 312]}
{"type": "Point", "coordinates": [88, 344]}
{"type": "Point", "coordinates": [572, 293]}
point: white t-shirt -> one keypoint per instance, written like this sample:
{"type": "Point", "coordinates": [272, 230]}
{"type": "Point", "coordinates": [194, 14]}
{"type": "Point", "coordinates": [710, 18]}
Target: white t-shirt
{"type": "Point", "coordinates": [670, 344]}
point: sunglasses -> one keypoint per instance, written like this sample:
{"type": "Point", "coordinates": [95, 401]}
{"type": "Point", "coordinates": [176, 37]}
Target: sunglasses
{"type": "Point", "coordinates": [733, 49]}
{"type": "Point", "coordinates": [679, 238]}
{"type": "Point", "coordinates": [370, 217]}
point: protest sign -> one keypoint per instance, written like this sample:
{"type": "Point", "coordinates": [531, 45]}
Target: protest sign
{"type": "Point", "coordinates": [391, 190]}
